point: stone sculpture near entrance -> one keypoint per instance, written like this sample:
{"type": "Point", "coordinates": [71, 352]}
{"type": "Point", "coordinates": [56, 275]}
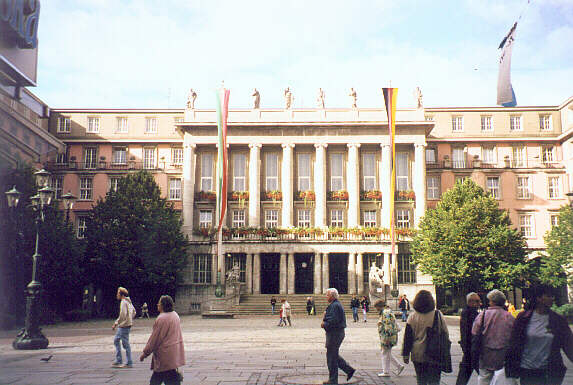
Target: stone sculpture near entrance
{"type": "Point", "coordinates": [233, 285]}
{"type": "Point", "coordinates": [191, 99]}
{"type": "Point", "coordinates": [256, 99]}
{"type": "Point", "coordinates": [352, 95]}
{"type": "Point", "coordinates": [419, 96]}
{"type": "Point", "coordinates": [288, 98]}
{"type": "Point", "coordinates": [375, 282]}
{"type": "Point", "coordinates": [320, 98]}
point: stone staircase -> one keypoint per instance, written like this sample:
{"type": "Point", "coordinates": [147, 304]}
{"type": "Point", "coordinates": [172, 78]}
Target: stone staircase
{"type": "Point", "coordinates": [260, 304]}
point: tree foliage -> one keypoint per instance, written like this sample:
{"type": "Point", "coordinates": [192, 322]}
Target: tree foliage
{"type": "Point", "coordinates": [134, 240]}
{"type": "Point", "coordinates": [467, 243]}
{"type": "Point", "coordinates": [557, 265]}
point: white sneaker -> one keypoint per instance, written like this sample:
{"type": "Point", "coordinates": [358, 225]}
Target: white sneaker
{"type": "Point", "coordinates": [399, 370]}
{"type": "Point", "coordinates": [383, 374]}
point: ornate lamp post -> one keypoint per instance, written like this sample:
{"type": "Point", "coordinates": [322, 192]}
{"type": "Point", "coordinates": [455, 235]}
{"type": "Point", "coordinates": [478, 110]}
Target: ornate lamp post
{"type": "Point", "coordinates": [31, 336]}
{"type": "Point", "coordinates": [69, 200]}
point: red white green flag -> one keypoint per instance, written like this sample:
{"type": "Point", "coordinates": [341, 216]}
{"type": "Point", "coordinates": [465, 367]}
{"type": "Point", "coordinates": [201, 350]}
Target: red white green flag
{"type": "Point", "coordinates": [222, 113]}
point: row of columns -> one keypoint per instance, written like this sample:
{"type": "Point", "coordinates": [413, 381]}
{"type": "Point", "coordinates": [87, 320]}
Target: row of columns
{"type": "Point", "coordinates": [320, 187]}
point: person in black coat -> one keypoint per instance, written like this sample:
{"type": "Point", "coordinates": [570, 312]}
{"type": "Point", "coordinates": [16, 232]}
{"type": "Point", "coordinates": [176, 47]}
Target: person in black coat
{"type": "Point", "coordinates": [354, 305]}
{"type": "Point", "coordinates": [467, 319]}
{"type": "Point", "coordinates": [333, 323]}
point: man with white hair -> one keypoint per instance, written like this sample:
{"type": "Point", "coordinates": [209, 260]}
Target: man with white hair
{"type": "Point", "coordinates": [333, 323]}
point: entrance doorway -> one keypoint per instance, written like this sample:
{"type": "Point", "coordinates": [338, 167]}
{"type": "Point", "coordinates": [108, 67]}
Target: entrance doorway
{"type": "Point", "coordinates": [338, 269]}
{"type": "Point", "coordinates": [303, 276]}
{"type": "Point", "coordinates": [270, 272]}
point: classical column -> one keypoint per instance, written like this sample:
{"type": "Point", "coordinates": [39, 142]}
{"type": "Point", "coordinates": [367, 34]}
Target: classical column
{"type": "Point", "coordinates": [283, 274]}
{"type": "Point", "coordinates": [254, 185]}
{"type": "Point", "coordinates": [214, 268]}
{"type": "Point", "coordinates": [290, 272]}
{"type": "Point", "coordinates": [320, 185]}
{"type": "Point", "coordinates": [419, 182]}
{"type": "Point", "coordinates": [352, 176]}
{"type": "Point", "coordinates": [384, 173]}
{"type": "Point", "coordinates": [317, 268]}
{"type": "Point", "coordinates": [286, 184]}
{"type": "Point", "coordinates": [387, 266]}
{"type": "Point", "coordinates": [325, 276]}
{"type": "Point", "coordinates": [351, 273]}
{"type": "Point", "coordinates": [188, 183]}
{"type": "Point", "coordinates": [360, 273]}
{"type": "Point", "coordinates": [249, 273]}
{"type": "Point", "coordinates": [256, 273]}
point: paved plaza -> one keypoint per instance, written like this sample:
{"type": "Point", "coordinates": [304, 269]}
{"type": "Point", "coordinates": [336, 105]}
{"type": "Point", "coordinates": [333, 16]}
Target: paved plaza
{"type": "Point", "coordinates": [242, 351]}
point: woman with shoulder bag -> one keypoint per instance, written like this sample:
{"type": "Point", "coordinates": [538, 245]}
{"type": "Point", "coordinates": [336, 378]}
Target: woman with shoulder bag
{"type": "Point", "coordinates": [428, 371]}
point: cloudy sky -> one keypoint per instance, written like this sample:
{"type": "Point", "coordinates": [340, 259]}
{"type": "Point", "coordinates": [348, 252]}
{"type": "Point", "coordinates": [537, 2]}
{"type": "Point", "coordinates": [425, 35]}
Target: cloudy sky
{"type": "Point", "coordinates": [148, 53]}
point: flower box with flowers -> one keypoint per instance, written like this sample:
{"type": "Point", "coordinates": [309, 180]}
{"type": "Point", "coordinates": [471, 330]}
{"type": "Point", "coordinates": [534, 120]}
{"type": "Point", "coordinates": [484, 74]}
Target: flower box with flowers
{"type": "Point", "coordinates": [203, 231]}
{"type": "Point", "coordinates": [274, 195]}
{"type": "Point", "coordinates": [238, 195]}
{"type": "Point", "coordinates": [340, 195]}
{"type": "Point", "coordinates": [372, 195]}
{"type": "Point", "coordinates": [307, 195]}
{"type": "Point", "coordinates": [406, 195]}
{"type": "Point", "coordinates": [206, 196]}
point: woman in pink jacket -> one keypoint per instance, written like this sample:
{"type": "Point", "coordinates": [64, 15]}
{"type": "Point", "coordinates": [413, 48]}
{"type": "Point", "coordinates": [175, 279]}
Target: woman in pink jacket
{"type": "Point", "coordinates": [166, 344]}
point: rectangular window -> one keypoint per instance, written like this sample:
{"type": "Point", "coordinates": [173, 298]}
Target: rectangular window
{"type": "Point", "coordinates": [457, 123]}
{"type": "Point", "coordinates": [202, 268]}
{"type": "Point", "coordinates": [526, 225]}
{"type": "Point", "coordinates": [458, 157]}
{"type": "Point", "coordinates": [303, 218]}
{"type": "Point", "coordinates": [406, 269]}
{"type": "Point", "coordinates": [548, 154]}
{"type": "Point", "coordinates": [433, 187]}
{"type": "Point", "coordinates": [207, 172]}
{"type": "Point", "coordinates": [554, 218]}
{"type": "Point", "coordinates": [369, 171]}
{"type": "Point", "coordinates": [553, 184]}
{"type": "Point", "coordinates": [175, 189]}
{"type": "Point", "coordinates": [239, 172]}
{"type": "Point", "coordinates": [57, 184]}
{"type": "Point", "coordinates": [402, 218]}
{"type": "Point", "coordinates": [523, 187]}
{"type": "Point", "coordinates": [205, 219]}
{"type": "Point", "coordinates": [149, 158]}
{"type": "Point", "coordinates": [62, 158]}
{"type": "Point", "coordinates": [113, 183]}
{"type": "Point", "coordinates": [176, 155]}
{"type": "Point", "coordinates": [82, 226]}
{"type": "Point", "coordinates": [515, 123]}
{"type": "Point", "coordinates": [486, 123]}
{"type": "Point", "coordinates": [93, 124]}
{"type": "Point", "coordinates": [545, 122]}
{"type": "Point", "coordinates": [303, 169]}
{"type": "Point", "coordinates": [336, 218]}
{"type": "Point", "coordinates": [238, 218]}
{"type": "Point", "coordinates": [86, 188]}
{"type": "Point", "coordinates": [369, 218]}
{"type": "Point", "coordinates": [90, 157]}
{"type": "Point", "coordinates": [271, 219]}
{"type": "Point", "coordinates": [431, 157]}
{"type": "Point", "coordinates": [150, 125]}
{"type": "Point", "coordinates": [271, 171]}
{"type": "Point", "coordinates": [336, 172]}
{"type": "Point", "coordinates": [121, 125]}
{"type": "Point", "coordinates": [241, 261]}
{"type": "Point", "coordinates": [119, 155]}
{"type": "Point", "coordinates": [402, 171]}
{"type": "Point", "coordinates": [488, 155]}
{"type": "Point", "coordinates": [64, 125]}
{"type": "Point", "coordinates": [518, 156]}
{"type": "Point", "coordinates": [492, 186]}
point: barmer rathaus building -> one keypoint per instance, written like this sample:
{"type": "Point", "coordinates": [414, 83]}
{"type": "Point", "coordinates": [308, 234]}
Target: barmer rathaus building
{"type": "Point", "coordinates": [309, 188]}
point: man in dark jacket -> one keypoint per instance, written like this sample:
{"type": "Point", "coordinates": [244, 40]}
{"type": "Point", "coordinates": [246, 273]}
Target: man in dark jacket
{"type": "Point", "coordinates": [333, 323]}
{"type": "Point", "coordinates": [354, 305]}
{"type": "Point", "coordinates": [469, 314]}
{"type": "Point", "coordinates": [404, 305]}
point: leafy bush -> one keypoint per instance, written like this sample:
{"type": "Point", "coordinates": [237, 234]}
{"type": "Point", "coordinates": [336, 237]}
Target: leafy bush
{"type": "Point", "coordinates": [77, 315]}
{"type": "Point", "coordinates": [564, 310]}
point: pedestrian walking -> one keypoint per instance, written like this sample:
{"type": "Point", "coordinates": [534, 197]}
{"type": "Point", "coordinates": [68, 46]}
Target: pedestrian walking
{"type": "Point", "coordinates": [490, 339]}
{"type": "Point", "coordinates": [281, 318]}
{"type": "Point", "coordinates": [388, 333]}
{"type": "Point", "coordinates": [166, 345]}
{"type": "Point", "coordinates": [354, 305]}
{"type": "Point", "coordinates": [144, 310]}
{"type": "Point", "coordinates": [273, 303]}
{"type": "Point", "coordinates": [123, 324]}
{"type": "Point", "coordinates": [538, 336]}
{"type": "Point", "coordinates": [365, 304]}
{"type": "Point", "coordinates": [414, 344]}
{"type": "Point", "coordinates": [334, 323]}
{"type": "Point", "coordinates": [404, 305]}
{"type": "Point", "coordinates": [308, 305]}
{"type": "Point", "coordinates": [469, 314]}
{"type": "Point", "coordinates": [313, 306]}
{"type": "Point", "coordinates": [285, 308]}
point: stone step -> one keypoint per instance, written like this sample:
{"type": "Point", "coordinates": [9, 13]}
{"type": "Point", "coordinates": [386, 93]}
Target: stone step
{"type": "Point", "coordinates": [260, 304]}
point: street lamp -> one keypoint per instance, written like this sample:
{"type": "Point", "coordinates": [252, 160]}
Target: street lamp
{"type": "Point", "coordinates": [31, 336]}
{"type": "Point", "coordinates": [69, 200]}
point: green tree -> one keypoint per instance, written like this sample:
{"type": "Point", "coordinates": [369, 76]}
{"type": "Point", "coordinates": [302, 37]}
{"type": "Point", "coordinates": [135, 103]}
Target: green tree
{"type": "Point", "coordinates": [559, 259]}
{"type": "Point", "coordinates": [134, 239]}
{"type": "Point", "coordinates": [467, 243]}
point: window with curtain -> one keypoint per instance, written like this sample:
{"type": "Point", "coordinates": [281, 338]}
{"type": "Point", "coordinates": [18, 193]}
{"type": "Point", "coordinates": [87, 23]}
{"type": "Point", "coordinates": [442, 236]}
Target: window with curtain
{"type": "Point", "coordinates": [336, 172]}
{"type": "Point", "coordinates": [202, 268]}
{"type": "Point", "coordinates": [458, 157]}
{"type": "Point", "coordinates": [119, 155]}
{"type": "Point", "coordinates": [402, 171]}
{"type": "Point", "coordinates": [149, 157]}
{"type": "Point", "coordinates": [518, 153]}
{"type": "Point", "coordinates": [303, 169]}
{"type": "Point", "coordinates": [205, 219]}
{"type": "Point", "coordinates": [336, 218]}
{"type": "Point", "coordinates": [488, 154]}
{"type": "Point", "coordinates": [433, 187]}
{"type": "Point", "coordinates": [523, 187]}
{"type": "Point", "coordinates": [271, 218]}
{"type": "Point", "coordinates": [239, 172]}
{"type": "Point", "coordinates": [369, 171]}
{"type": "Point", "coordinates": [207, 172]}
{"type": "Point", "coordinates": [271, 171]}
{"type": "Point", "coordinates": [90, 157]}
{"type": "Point", "coordinates": [369, 218]}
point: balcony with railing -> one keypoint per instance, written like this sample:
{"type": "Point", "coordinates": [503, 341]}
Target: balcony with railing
{"type": "Point", "coordinates": [74, 165]}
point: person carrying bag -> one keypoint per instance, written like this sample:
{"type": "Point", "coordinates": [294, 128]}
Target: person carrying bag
{"type": "Point", "coordinates": [438, 345]}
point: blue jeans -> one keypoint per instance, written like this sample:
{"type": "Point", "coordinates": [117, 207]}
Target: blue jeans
{"type": "Point", "coordinates": [355, 314]}
{"type": "Point", "coordinates": [404, 315]}
{"type": "Point", "coordinates": [123, 336]}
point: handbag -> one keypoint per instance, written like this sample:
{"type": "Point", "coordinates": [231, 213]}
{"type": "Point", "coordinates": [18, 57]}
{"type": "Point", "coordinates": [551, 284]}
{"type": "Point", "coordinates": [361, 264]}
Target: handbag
{"type": "Point", "coordinates": [438, 347]}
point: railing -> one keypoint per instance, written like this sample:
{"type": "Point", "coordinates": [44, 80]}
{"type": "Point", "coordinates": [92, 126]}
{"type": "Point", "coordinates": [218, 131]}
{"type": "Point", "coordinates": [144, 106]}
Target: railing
{"type": "Point", "coordinates": [101, 165]}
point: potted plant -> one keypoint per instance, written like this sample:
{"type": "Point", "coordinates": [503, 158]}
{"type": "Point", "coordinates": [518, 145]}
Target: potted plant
{"type": "Point", "coordinates": [274, 195]}
{"type": "Point", "coordinates": [307, 196]}
{"type": "Point", "coordinates": [132, 162]}
{"type": "Point", "coordinates": [447, 162]}
{"type": "Point", "coordinates": [240, 196]}
{"type": "Point", "coordinates": [102, 162]}
{"type": "Point", "coordinates": [72, 162]}
{"type": "Point", "coordinates": [372, 195]}
{"type": "Point", "coordinates": [340, 195]}
{"type": "Point", "coordinates": [507, 161]}
{"type": "Point", "coordinates": [477, 161]}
